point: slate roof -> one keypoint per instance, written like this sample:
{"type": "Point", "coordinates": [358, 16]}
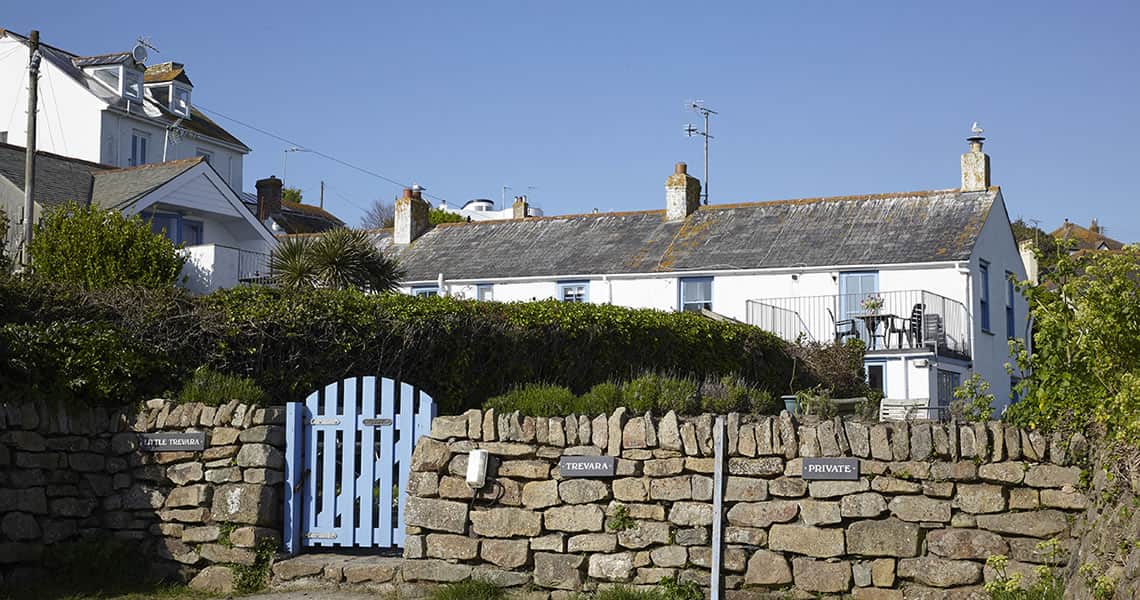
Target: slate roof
{"type": "Point", "coordinates": [912, 227]}
{"type": "Point", "coordinates": [59, 179]}
{"type": "Point", "coordinates": [1085, 238]}
{"type": "Point", "coordinates": [115, 58]}
{"type": "Point", "coordinates": [167, 71]}
{"type": "Point", "coordinates": [120, 187]}
{"type": "Point", "coordinates": [296, 217]}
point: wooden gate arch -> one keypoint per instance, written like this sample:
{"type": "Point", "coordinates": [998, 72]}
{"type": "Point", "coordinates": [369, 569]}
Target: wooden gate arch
{"type": "Point", "coordinates": [348, 453]}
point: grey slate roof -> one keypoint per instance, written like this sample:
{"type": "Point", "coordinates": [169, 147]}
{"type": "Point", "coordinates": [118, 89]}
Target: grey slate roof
{"type": "Point", "coordinates": [295, 217]}
{"type": "Point", "coordinates": [59, 179]}
{"type": "Point", "coordinates": [117, 188]}
{"type": "Point", "coordinates": [931, 226]}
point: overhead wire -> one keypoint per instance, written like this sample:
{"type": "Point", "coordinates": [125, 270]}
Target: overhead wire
{"type": "Point", "coordinates": [310, 150]}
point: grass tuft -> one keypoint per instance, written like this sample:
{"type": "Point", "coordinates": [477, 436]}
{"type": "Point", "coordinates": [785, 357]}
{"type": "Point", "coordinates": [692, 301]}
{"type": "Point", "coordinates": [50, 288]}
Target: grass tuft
{"type": "Point", "coordinates": [472, 589]}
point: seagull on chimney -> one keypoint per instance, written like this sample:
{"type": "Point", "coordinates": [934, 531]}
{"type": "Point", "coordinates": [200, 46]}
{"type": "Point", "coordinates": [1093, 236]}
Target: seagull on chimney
{"type": "Point", "coordinates": [976, 128]}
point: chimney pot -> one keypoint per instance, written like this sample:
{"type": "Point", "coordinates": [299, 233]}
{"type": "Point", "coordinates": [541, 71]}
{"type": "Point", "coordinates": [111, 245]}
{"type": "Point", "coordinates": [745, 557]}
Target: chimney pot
{"type": "Point", "coordinates": [408, 193]}
{"type": "Point", "coordinates": [520, 209]}
{"type": "Point", "coordinates": [680, 168]}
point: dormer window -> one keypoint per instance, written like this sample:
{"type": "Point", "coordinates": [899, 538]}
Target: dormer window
{"type": "Point", "coordinates": [133, 84]}
{"type": "Point", "coordinates": [110, 76]}
{"type": "Point", "coordinates": [180, 101]}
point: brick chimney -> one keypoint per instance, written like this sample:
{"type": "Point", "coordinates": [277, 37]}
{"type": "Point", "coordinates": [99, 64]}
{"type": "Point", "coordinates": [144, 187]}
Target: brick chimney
{"type": "Point", "coordinates": [520, 208]}
{"type": "Point", "coordinates": [411, 219]}
{"type": "Point", "coordinates": [268, 197]}
{"type": "Point", "coordinates": [975, 164]}
{"type": "Point", "coordinates": [682, 194]}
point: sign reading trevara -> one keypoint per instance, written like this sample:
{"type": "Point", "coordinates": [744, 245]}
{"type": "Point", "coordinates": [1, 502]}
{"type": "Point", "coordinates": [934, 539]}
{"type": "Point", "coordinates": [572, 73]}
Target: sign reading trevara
{"type": "Point", "coordinates": [172, 442]}
{"type": "Point", "coordinates": [831, 468]}
{"type": "Point", "coordinates": [586, 466]}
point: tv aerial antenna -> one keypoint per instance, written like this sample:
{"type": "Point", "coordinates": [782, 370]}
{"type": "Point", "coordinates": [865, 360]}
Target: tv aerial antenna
{"type": "Point", "coordinates": [140, 51]}
{"type": "Point", "coordinates": [691, 130]}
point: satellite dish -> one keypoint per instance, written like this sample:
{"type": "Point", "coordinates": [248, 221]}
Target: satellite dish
{"type": "Point", "coordinates": [139, 53]}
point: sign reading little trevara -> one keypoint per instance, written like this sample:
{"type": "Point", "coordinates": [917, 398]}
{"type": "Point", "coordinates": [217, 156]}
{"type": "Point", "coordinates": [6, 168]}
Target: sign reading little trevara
{"type": "Point", "coordinates": [586, 466]}
{"type": "Point", "coordinates": [172, 442]}
{"type": "Point", "coordinates": [831, 468]}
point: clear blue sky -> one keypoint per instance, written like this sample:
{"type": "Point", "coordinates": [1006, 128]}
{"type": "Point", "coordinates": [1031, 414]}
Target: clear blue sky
{"type": "Point", "coordinates": [584, 100]}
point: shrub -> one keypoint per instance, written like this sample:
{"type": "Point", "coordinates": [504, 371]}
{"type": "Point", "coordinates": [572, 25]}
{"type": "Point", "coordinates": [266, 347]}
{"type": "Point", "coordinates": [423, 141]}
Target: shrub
{"type": "Point", "coordinates": [339, 259]}
{"type": "Point", "coordinates": [96, 248]}
{"type": "Point", "coordinates": [213, 388]}
{"type": "Point", "coordinates": [838, 368]}
{"type": "Point", "coordinates": [536, 399]}
{"type": "Point", "coordinates": [472, 589]}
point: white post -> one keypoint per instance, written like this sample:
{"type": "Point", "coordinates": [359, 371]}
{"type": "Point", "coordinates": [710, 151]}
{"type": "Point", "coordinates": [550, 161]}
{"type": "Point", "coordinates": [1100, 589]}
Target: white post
{"type": "Point", "coordinates": [718, 508]}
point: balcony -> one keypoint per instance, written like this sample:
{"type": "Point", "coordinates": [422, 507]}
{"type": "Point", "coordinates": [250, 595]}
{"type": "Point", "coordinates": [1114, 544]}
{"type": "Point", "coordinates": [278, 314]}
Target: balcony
{"type": "Point", "coordinates": [211, 267]}
{"type": "Point", "coordinates": [905, 320]}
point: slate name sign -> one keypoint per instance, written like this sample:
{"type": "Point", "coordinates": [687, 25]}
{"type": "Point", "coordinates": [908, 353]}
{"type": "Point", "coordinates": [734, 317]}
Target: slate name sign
{"type": "Point", "coordinates": [586, 466]}
{"type": "Point", "coordinates": [831, 468]}
{"type": "Point", "coordinates": [172, 442]}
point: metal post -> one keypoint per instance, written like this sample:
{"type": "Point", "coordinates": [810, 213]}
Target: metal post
{"type": "Point", "coordinates": [707, 157]}
{"type": "Point", "coordinates": [718, 509]}
{"type": "Point", "coordinates": [30, 146]}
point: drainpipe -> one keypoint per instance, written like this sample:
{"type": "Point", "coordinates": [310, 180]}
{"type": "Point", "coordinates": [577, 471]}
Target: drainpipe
{"type": "Point", "coordinates": [439, 285]}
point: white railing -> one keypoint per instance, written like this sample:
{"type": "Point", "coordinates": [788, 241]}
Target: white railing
{"type": "Point", "coordinates": [211, 267]}
{"type": "Point", "coordinates": [911, 319]}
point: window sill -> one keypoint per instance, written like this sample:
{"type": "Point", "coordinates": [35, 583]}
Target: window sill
{"type": "Point", "coordinates": [987, 332]}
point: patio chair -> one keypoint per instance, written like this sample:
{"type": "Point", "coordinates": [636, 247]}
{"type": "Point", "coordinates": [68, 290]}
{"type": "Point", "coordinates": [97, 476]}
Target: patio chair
{"type": "Point", "coordinates": [844, 328]}
{"type": "Point", "coordinates": [910, 327]}
{"type": "Point", "coordinates": [933, 332]}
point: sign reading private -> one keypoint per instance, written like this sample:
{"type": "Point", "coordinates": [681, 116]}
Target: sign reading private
{"type": "Point", "coordinates": [172, 442]}
{"type": "Point", "coordinates": [831, 468]}
{"type": "Point", "coordinates": [586, 466]}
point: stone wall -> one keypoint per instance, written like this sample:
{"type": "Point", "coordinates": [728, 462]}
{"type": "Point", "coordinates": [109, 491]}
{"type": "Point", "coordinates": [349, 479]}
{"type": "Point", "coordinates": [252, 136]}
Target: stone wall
{"type": "Point", "coordinates": [933, 502]}
{"type": "Point", "coordinates": [69, 475]}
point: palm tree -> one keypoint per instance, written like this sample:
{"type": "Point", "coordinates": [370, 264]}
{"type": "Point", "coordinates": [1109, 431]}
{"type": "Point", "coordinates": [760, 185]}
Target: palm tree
{"type": "Point", "coordinates": [337, 259]}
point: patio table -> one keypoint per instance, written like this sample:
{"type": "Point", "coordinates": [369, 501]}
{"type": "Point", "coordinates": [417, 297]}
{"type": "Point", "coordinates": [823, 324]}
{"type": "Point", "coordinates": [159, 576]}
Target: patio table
{"type": "Point", "coordinates": [873, 322]}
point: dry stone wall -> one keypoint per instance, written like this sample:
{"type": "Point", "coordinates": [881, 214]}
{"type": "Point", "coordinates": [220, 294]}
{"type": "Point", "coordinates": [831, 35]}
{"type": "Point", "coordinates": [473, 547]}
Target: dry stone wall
{"type": "Point", "coordinates": [933, 501]}
{"type": "Point", "coordinates": [69, 475]}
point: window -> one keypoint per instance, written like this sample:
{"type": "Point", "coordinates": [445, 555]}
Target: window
{"type": "Point", "coordinates": [177, 229]}
{"type": "Point", "coordinates": [1010, 326]}
{"type": "Point", "coordinates": [574, 291]}
{"type": "Point", "coordinates": [696, 293]}
{"type": "Point", "coordinates": [984, 295]}
{"type": "Point", "coordinates": [133, 84]}
{"type": "Point", "coordinates": [180, 104]}
{"type": "Point", "coordinates": [110, 77]}
{"type": "Point", "coordinates": [425, 291]}
{"type": "Point", "coordinates": [485, 291]}
{"type": "Point", "coordinates": [1014, 397]}
{"type": "Point", "coordinates": [3, 137]}
{"type": "Point", "coordinates": [139, 142]}
{"type": "Point", "coordinates": [875, 378]}
{"type": "Point", "coordinates": [206, 154]}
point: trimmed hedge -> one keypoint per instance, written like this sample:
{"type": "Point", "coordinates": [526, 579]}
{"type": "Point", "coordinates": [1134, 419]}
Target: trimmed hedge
{"type": "Point", "coordinates": [290, 343]}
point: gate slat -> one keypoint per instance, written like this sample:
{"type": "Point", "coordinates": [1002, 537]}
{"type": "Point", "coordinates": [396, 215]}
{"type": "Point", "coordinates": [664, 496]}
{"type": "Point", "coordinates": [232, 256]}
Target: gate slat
{"type": "Point", "coordinates": [326, 522]}
{"type": "Point", "coordinates": [347, 496]}
{"type": "Point", "coordinates": [294, 465]}
{"type": "Point", "coordinates": [366, 484]}
{"type": "Point", "coordinates": [309, 518]}
{"type": "Point", "coordinates": [383, 464]}
{"type": "Point", "coordinates": [403, 456]}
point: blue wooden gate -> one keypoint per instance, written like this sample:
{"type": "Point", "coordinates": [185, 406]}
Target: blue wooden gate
{"type": "Point", "coordinates": [347, 459]}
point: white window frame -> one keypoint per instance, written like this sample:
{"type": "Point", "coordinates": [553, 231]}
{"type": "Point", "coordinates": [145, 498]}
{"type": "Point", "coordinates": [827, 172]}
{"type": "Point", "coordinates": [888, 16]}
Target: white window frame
{"type": "Point", "coordinates": [425, 291]}
{"type": "Point", "coordinates": [485, 292]}
{"type": "Point", "coordinates": [574, 291]}
{"type": "Point", "coordinates": [137, 77]}
{"type": "Point", "coordinates": [136, 135]}
{"type": "Point", "coordinates": [117, 68]}
{"type": "Point", "coordinates": [174, 90]}
{"type": "Point", "coordinates": [686, 281]}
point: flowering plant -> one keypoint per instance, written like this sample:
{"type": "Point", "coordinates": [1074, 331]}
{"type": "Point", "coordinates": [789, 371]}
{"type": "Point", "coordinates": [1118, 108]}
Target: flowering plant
{"type": "Point", "coordinates": [872, 304]}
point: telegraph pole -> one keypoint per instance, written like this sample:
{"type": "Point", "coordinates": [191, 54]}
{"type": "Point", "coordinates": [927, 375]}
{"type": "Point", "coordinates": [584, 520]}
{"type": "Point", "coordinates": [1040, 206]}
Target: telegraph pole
{"type": "Point", "coordinates": [30, 146]}
{"type": "Point", "coordinates": [322, 193]}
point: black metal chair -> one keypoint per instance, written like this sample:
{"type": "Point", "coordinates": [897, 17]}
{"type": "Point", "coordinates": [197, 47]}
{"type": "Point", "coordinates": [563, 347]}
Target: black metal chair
{"type": "Point", "coordinates": [844, 328]}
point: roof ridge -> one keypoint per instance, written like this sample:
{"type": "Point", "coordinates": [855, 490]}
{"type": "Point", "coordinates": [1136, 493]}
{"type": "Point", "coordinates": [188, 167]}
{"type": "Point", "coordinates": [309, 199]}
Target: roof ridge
{"type": "Point", "coordinates": [188, 161]}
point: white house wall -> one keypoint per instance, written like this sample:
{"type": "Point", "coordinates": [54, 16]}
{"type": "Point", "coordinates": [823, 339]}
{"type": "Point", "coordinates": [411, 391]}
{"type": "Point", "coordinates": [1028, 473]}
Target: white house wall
{"type": "Point", "coordinates": [68, 117]}
{"type": "Point", "coordinates": [996, 246]}
{"type": "Point", "coordinates": [118, 129]}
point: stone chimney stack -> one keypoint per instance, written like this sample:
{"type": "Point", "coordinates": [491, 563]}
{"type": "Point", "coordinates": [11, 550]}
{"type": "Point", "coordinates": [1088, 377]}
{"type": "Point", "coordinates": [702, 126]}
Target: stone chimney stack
{"type": "Point", "coordinates": [520, 208]}
{"type": "Point", "coordinates": [682, 194]}
{"type": "Point", "coordinates": [1094, 227]}
{"type": "Point", "coordinates": [411, 216]}
{"type": "Point", "coordinates": [268, 197]}
{"type": "Point", "coordinates": [975, 164]}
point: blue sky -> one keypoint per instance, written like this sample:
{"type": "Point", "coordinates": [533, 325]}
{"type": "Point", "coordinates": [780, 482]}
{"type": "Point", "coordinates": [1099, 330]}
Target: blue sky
{"type": "Point", "coordinates": [584, 101]}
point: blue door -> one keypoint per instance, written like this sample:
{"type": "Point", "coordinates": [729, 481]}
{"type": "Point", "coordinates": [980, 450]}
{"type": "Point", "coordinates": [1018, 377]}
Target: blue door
{"type": "Point", "coordinates": [347, 462]}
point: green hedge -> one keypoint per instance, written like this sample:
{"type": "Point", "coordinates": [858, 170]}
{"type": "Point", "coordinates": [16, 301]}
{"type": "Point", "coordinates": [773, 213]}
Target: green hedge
{"type": "Point", "coordinates": [461, 352]}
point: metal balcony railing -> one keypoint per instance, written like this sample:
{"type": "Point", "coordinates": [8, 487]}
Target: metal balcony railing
{"type": "Point", "coordinates": [911, 319]}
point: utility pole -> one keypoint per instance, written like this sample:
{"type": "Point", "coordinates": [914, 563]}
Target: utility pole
{"type": "Point", "coordinates": [504, 198]}
{"type": "Point", "coordinates": [690, 130]}
{"type": "Point", "coordinates": [322, 193]}
{"type": "Point", "coordinates": [30, 146]}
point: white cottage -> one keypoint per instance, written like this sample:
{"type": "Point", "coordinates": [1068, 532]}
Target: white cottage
{"type": "Point", "coordinates": [923, 278]}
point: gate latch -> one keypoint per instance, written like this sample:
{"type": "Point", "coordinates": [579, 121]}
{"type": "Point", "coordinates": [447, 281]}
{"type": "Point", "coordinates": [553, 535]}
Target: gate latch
{"type": "Point", "coordinates": [377, 422]}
